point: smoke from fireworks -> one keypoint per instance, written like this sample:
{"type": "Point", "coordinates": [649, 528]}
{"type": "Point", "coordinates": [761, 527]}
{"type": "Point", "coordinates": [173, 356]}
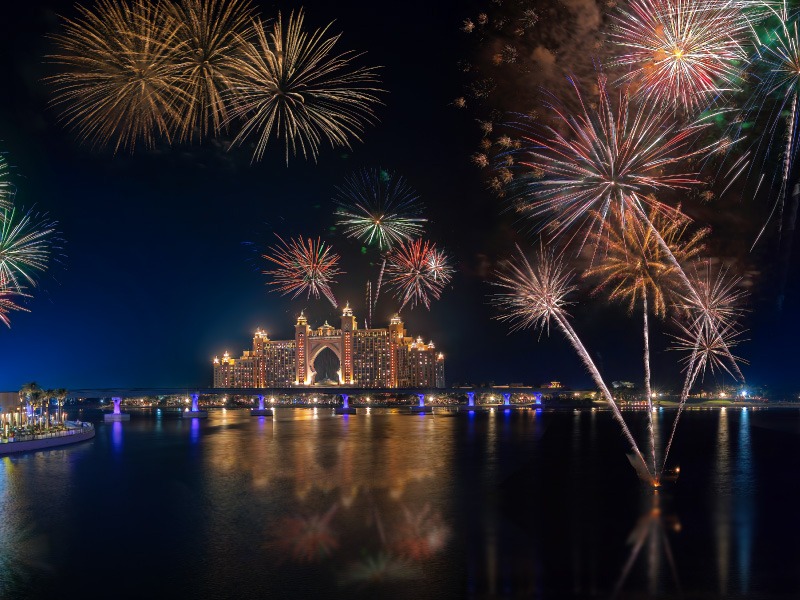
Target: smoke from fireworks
{"type": "Point", "coordinates": [120, 77]}
{"type": "Point", "coordinates": [681, 52]}
{"type": "Point", "coordinates": [378, 207]}
{"type": "Point", "coordinates": [418, 272]}
{"type": "Point", "coordinates": [290, 84]}
{"type": "Point", "coordinates": [303, 265]}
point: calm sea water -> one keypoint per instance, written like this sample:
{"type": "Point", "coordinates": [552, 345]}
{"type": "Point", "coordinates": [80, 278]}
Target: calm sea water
{"type": "Point", "coordinates": [522, 504]}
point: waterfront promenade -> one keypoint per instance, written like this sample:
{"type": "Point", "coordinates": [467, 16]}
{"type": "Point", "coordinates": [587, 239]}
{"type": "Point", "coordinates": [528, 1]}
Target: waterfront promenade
{"type": "Point", "coordinates": [52, 439]}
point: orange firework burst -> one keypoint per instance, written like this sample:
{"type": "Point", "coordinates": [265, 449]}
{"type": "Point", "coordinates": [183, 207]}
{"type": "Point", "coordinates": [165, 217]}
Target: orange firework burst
{"type": "Point", "coordinates": [120, 79]}
{"type": "Point", "coordinates": [288, 82]}
{"type": "Point", "coordinates": [211, 33]}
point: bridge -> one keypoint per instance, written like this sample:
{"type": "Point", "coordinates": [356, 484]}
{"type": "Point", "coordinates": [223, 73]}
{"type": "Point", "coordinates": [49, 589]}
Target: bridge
{"type": "Point", "coordinates": [118, 394]}
{"type": "Point", "coordinates": [310, 390]}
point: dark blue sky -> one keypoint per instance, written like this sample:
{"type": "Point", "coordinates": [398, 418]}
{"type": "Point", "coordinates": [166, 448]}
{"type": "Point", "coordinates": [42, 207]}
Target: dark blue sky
{"type": "Point", "coordinates": [157, 278]}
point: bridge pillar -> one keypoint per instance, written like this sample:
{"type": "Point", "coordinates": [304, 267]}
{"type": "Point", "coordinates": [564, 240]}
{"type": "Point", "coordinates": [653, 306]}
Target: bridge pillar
{"type": "Point", "coordinates": [116, 414]}
{"type": "Point", "coordinates": [470, 407]}
{"type": "Point", "coordinates": [506, 399]}
{"type": "Point", "coordinates": [537, 400]}
{"type": "Point", "coordinates": [195, 412]}
{"type": "Point", "coordinates": [261, 411]}
{"type": "Point", "coordinates": [421, 409]}
{"type": "Point", "coordinates": [345, 408]}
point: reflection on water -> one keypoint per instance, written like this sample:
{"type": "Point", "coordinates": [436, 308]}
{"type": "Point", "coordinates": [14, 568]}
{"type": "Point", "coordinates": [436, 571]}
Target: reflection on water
{"type": "Point", "coordinates": [745, 515]}
{"type": "Point", "coordinates": [381, 504]}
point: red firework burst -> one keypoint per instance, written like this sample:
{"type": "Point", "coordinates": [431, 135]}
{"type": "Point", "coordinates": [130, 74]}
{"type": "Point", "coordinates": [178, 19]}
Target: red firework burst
{"type": "Point", "coordinates": [418, 272]}
{"type": "Point", "coordinates": [303, 265]}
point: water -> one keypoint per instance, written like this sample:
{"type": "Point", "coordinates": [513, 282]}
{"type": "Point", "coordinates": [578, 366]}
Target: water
{"type": "Point", "coordinates": [507, 504]}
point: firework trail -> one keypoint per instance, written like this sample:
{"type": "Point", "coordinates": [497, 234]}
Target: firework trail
{"type": "Point", "coordinates": [418, 272]}
{"type": "Point", "coordinates": [535, 295]}
{"type": "Point", "coordinates": [303, 266]}
{"type": "Point", "coordinates": [633, 266]}
{"type": "Point", "coordinates": [711, 331]}
{"type": "Point", "coordinates": [211, 32]}
{"type": "Point", "coordinates": [26, 243]}
{"type": "Point", "coordinates": [120, 79]}
{"type": "Point", "coordinates": [775, 69]}
{"type": "Point", "coordinates": [683, 53]}
{"type": "Point", "coordinates": [289, 83]}
{"type": "Point", "coordinates": [379, 208]}
{"type": "Point", "coordinates": [5, 185]}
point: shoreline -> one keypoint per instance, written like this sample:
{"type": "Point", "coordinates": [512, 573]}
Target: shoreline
{"type": "Point", "coordinates": [45, 443]}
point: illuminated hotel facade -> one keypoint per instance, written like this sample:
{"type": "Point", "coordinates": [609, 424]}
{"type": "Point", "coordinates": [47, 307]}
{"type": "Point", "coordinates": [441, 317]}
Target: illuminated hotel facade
{"type": "Point", "coordinates": [383, 357]}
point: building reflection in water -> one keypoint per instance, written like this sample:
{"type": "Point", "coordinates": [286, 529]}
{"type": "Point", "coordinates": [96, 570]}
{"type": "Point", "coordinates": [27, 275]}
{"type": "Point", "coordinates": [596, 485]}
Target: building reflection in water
{"type": "Point", "coordinates": [369, 502]}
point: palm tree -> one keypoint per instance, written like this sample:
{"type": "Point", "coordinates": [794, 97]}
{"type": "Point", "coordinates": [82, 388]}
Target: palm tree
{"type": "Point", "coordinates": [635, 267]}
{"type": "Point", "coordinates": [29, 393]}
{"type": "Point", "coordinates": [61, 396]}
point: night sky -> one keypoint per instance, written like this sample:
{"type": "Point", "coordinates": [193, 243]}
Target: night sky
{"type": "Point", "coordinates": [160, 271]}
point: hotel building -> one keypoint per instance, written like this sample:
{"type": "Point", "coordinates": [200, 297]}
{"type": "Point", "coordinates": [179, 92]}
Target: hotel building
{"type": "Point", "coordinates": [382, 357]}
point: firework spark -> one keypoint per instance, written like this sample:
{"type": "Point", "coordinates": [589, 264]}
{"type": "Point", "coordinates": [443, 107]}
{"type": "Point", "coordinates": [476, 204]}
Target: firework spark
{"type": "Point", "coordinates": [5, 185]}
{"type": "Point", "coordinates": [211, 33]}
{"type": "Point", "coordinates": [418, 272]}
{"type": "Point", "coordinates": [536, 295]}
{"type": "Point", "coordinates": [120, 79]}
{"type": "Point", "coordinates": [26, 240]}
{"type": "Point", "coordinates": [605, 157]}
{"type": "Point", "coordinates": [8, 303]}
{"type": "Point", "coordinates": [303, 266]}
{"type": "Point", "coordinates": [289, 82]}
{"type": "Point", "coordinates": [633, 265]}
{"type": "Point", "coordinates": [378, 207]}
{"type": "Point", "coordinates": [682, 52]}
{"type": "Point", "coordinates": [711, 331]}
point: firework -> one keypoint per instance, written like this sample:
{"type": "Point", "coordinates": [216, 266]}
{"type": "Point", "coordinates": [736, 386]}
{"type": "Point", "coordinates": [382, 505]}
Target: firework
{"type": "Point", "coordinates": [379, 208]}
{"type": "Point", "coordinates": [603, 158]}
{"type": "Point", "coordinates": [717, 299]}
{"type": "Point", "coordinates": [303, 266]}
{"type": "Point", "coordinates": [632, 264]}
{"type": "Point", "coordinates": [682, 52]}
{"type": "Point", "coordinates": [8, 303]}
{"type": "Point", "coordinates": [121, 75]}
{"type": "Point", "coordinates": [26, 241]}
{"type": "Point", "coordinates": [211, 33]}
{"type": "Point", "coordinates": [712, 330]}
{"type": "Point", "coordinates": [418, 272]}
{"type": "Point", "coordinates": [5, 185]}
{"type": "Point", "coordinates": [290, 83]}
{"type": "Point", "coordinates": [635, 267]}
{"type": "Point", "coordinates": [533, 296]}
